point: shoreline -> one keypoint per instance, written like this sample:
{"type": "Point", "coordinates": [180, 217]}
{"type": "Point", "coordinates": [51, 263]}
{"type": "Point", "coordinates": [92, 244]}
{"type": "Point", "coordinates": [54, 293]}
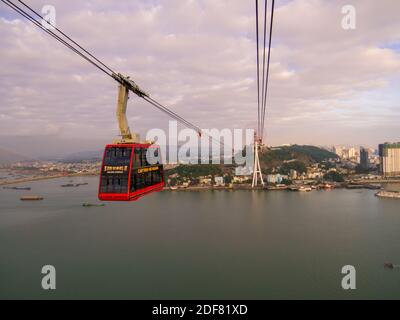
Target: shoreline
{"type": "Point", "coordinates": [40, 178]}
{"type": "Point", "coordinates": [258, 188]}
{"type": "Point", "coordinates": [388, 194]}
{"type": "Point", "coordinates": [292, 188]}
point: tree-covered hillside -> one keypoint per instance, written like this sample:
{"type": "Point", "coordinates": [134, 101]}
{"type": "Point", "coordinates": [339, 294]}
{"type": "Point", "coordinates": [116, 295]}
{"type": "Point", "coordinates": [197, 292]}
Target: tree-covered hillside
{"type": "Point", "coordinates": [194, 171]}
{"type": "Point", "coordinates": [295, 156]}
{"type": "Point", "coordinates": [316, 153]}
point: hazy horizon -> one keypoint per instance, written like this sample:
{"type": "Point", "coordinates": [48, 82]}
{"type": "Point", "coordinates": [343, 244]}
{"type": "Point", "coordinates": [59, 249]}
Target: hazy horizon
{"type": "Point", "coordinates": [64, 148]}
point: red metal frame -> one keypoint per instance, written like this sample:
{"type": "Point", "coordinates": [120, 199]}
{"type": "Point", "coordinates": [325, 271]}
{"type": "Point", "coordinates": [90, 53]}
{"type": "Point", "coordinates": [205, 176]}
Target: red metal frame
{"type": "Point", "coordinates": [129, 196]}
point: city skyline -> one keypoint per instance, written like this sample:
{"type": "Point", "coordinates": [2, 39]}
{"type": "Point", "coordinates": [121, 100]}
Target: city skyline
{"type": "Point", "coordinates": [329, 86]}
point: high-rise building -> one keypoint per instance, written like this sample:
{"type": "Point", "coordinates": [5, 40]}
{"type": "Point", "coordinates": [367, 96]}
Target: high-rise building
{"type": "Point", "coordinates": [389, 154]}
{"type": "Point", "coordinates": [364, 158]}
{"type": "Point", "coordinates": [352, 152]}
{"type": "Point", "coordinates": [347, 153]}
{"type": "Point", "coordinates": [338, 150]}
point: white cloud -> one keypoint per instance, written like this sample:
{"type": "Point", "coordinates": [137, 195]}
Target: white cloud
{"type": "Point", "coordinates": [198, 57]}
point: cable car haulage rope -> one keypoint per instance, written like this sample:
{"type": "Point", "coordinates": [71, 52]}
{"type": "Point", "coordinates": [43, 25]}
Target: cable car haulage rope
{"type": "Point", "coordinates": [130, 168]}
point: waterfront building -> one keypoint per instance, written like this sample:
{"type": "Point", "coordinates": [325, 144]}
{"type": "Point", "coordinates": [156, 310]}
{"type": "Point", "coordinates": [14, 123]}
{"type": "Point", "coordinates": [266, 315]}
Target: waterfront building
{"type": "Point", "coordinates": [374, 161]}
{"type": "Point", "coordinates": [205, 180]}
{"type": "Point", "coordinates": [219, 181]}
{"type": "Point", "coordinates": [339, 151]}
{"type": "Point", "coordinates": [364, 158]}
{"type": "Point", "coordinates": [240, 179]}
{"type": "Point", "coordinates": [293, 174]}
{"type": "Point", "coordinates": [347, 153]}
{"type": "Point", "coordinates": [274, 178]}
{"type": "Point", "coordinates": [352, 153]}
{"type": "Point", "coordinates": [314, 175]}
{"type": "Point", "coordinates": [243, 171]}
{"type": "Point", "coordinates": [389, 154]}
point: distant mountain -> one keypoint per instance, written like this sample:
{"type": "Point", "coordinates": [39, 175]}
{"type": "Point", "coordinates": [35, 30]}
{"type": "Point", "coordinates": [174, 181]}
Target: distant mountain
{"type": "Point", "coordinates": [8, 157]}
{"type": "Point", "coordinates": [83, 155]}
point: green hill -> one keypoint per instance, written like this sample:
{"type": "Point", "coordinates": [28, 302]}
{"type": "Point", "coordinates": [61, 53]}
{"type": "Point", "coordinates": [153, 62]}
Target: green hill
{"type": "Point", "coordinates": [194, 171]}
{"type": "Point", "coordinates": [293, 157]}
{"type": "Point", "coordinates": [316, 153]}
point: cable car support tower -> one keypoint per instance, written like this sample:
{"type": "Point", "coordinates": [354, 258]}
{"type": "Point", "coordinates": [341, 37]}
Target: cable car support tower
{"type": "Point", "coordinates": [256, 167]}
{"type": "Point", "coordinates": [125, 84]}
{"type": "Point", "coordinates": [261, 92]}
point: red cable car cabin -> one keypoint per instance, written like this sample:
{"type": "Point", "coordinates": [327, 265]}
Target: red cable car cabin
{"type": "Point", "coordinates": [130, 171]}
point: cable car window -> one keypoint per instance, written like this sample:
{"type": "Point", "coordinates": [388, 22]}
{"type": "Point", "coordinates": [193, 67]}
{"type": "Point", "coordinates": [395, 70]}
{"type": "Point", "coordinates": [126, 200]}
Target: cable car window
{"type": "Point", "coordinates": [147, 179]}
{"type": "Point", "coordinates": [137, 158]}
{"type": "Point", "coordinates": [134, 182]}
{"type": "Point", "coordinates": [139, 181]}
{"type": "Point", "coordinates": [118, 156]}
{"type": "Point", "coordinates": [115, 170]}
{"type": "Point", "coordinates": [157, 177]}
{"type": "Point", "coordinates": [143, 158]}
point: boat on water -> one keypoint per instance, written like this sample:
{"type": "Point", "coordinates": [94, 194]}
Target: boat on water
{"type": "Point", "coordinates": [67, 185]}
{"type": "Point", "coordinates": [390, 265]}
{"type": "Point", "coordinates": [370, 186]}
{"type": "Point", "coordinates": [304, 189]}
{"type": "Point", "coordinates": [70, 185]}
{"type": "Point", "coordinates": [86, 204]}
{"type": "Point", "coordinates": [300, 188]}
{"type": "Point", "coordinates": [277, 187]}
{"type": "Point", "coordinates": [17, 188]}
{"type": "Point", "coordinates": [31, 198]}
{"type": "Point", "coordinates": [373, 186]}
{"type": "Point", "coordinates": [388, 194]}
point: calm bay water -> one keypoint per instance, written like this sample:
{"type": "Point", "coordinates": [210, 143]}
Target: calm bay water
{"type": "Point", "coordinates": [222, 245]}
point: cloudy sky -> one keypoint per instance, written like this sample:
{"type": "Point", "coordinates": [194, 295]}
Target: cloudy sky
{"type": "Point", "coordinates": [327, 86]}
